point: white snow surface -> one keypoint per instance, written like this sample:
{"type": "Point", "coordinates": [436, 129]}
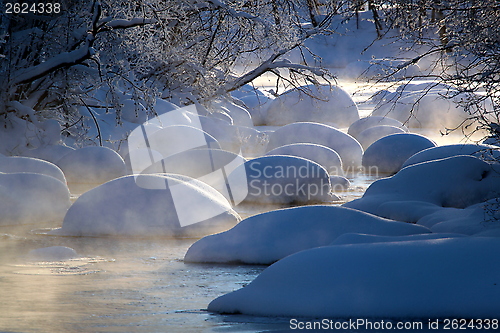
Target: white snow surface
{"type": "Point", "coordinates": [442, 278]}
{"type": "Point", "coordinates": [271, 236]}
{"type": "Point", "coordinates": [424, 188]}
{"type": "Point", "coordinates": [324, 156]}
{"type": "Point", "coordinates": [324, 104]}
{"type": "Point", "coordinates": [346, 146]}
{"type": "Point", "coordinates": [389, 153]}
{"type": "Point", "coordinates": [50, 153]}
{"type": "Point", "coordinates": [149, 205]}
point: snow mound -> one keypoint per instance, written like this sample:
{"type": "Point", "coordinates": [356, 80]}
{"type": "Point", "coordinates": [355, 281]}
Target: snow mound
{"type": "Point", "coordinates": [53, 253]}
{"type": "Point", "coordinates": [210, 166]}
{"type": "Point", "coordinates": [18, 164]}
{"type": "Point", "coordinates": [129, 206]}
{"type": "Point", "coordinates": [364, 123]}
{"type": "Point", "coordinates": [324, 156]}
{"type": "Point", "coordinates": [388, 154]}
{"type": "Point", "coordinates": [252, 142]}
{"type": "Point", "coordinates": [485, 152]}
{"type": "Point", "coordinates": [240, 116]}
{"type": "Point", "coordinates": [285, 180]}
{"type": "Point", "coordinates": [472, 220]}
{"type": "Point", "coordinates": [372, 134]}
{"type": "Point", "coordinates": [173, 139]}
{"type": "Point", "coordinates": [356, 238]}
{"type": "Point", "coordinates": [257, 106]}
{"type": "Point", "coordinates": [346, 146]}
{"type": "Point", "coordinates": [271, 236]}
{"type": "Point", "coordinates": [32, 198]}
{"type": "Point", "coordinates": [88, 167]}
{"type": "Point", "coordinates": [458, 182]}
{"type": "Point", "coordinates": [410, 280]}
{"type": "Point", "coordinates": [339, 183]}
{"type": "Point", "coordinates": [50, 153]}
{"type": "Point", "coordinates": [323, 104]}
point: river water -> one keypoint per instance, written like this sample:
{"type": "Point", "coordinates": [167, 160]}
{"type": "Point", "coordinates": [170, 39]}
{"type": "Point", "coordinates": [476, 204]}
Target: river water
{"type": "Point", "coordinates": [124, 285]}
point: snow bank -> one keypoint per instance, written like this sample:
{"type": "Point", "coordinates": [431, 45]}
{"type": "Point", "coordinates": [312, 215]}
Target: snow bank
{"type": "Point", "coordinates": [324, 156]}
{"type": "Point", "coordinates": [346, 146]}
{"type": "Point", "coordinates": [88, 167]}
{"type": "Point", "coordinates": [388, 154]}
{"type": "Point", "coordinates": [17, 164]}
{"type": "Point", "coordinates": [372, 134]}
{"type": "Point", "coordinates": [323, 104]}
{"type": "Point", "coordinates": [447, 278]}
{"type": "Point", "coordinates": [485, 152]}
{"type": "Point", "coordinates": [271, 236]}
{"type": "Point", "coordinates": [133, 112]}
{"type": "Point", "coordinates": [458, 182]}
{"type": "Point", "coordinates": [252, 142]}
{"type": "Point", "coordinates": [32, 198]}
{"type": "Point", "coordinates": [183, 207]}
{"type": "Point", "coordinates": [285, 180]}
{"type": "Point", "coordinates": [53, 253]}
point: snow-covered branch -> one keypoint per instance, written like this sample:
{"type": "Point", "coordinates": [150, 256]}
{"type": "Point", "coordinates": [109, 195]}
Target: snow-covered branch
{"type": "Point", "coordinates": [59, 61]}
{"type": "Point", "coordinates": [124, 24]}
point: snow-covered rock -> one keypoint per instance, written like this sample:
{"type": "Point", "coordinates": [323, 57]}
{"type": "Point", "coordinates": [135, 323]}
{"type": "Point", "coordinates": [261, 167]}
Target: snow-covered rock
{"type": "Point", "coordinates": [446, 278]}
{"type": "Point", "coordinates": [424, 188]}
{"type": "Point", "coordinates": [372, 134]}
{"type": "Point", "coordinates": [88, 167]}
{"type": "Point", "coordinates": [364, 123]}
{"type": "Point", "coordinates": [346, 146]}
{"type": "Point", "coordinates": [323, 104]}
{"type": "Point", "coordinates": [32, 198]}
{"type": "Point", "coordinates": [18, 164]}
{"type": "Point", "coordinates": [339, 183]}
{"type": "Point", "coordinates": [285, 180]}
{"type": "Point", "coordinates": [388, 154]}
{"type": "Point", "coordinates": [53, 253]}
{"type": "Point", "coordinates": [271, 236]}
{"type": "Point", "coordinates": [240, 116]}
{"type": "Point", "coordinates": [211, 166]}
{"type": "Point", "coordinates": [50, 153]}
{"type": "Point", "coordinates": [149, 205]}
{"type": "Point", "coordinates": [485, 152]}
{"type": "Point", "coordinates": [257, 107]}
{"type": "Point", "coordinates": [472, 220]}
{"type": "Point", "coordinates": [324, 156]}
{"type": "Point", "coordinates": [177, 138]}
{"type": "Point", "coordinates": [357, 238]}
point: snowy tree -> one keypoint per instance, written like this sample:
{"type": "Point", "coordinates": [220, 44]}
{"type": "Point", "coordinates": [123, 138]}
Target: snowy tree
{"type": "Point", "coordinates": [186, 51]}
